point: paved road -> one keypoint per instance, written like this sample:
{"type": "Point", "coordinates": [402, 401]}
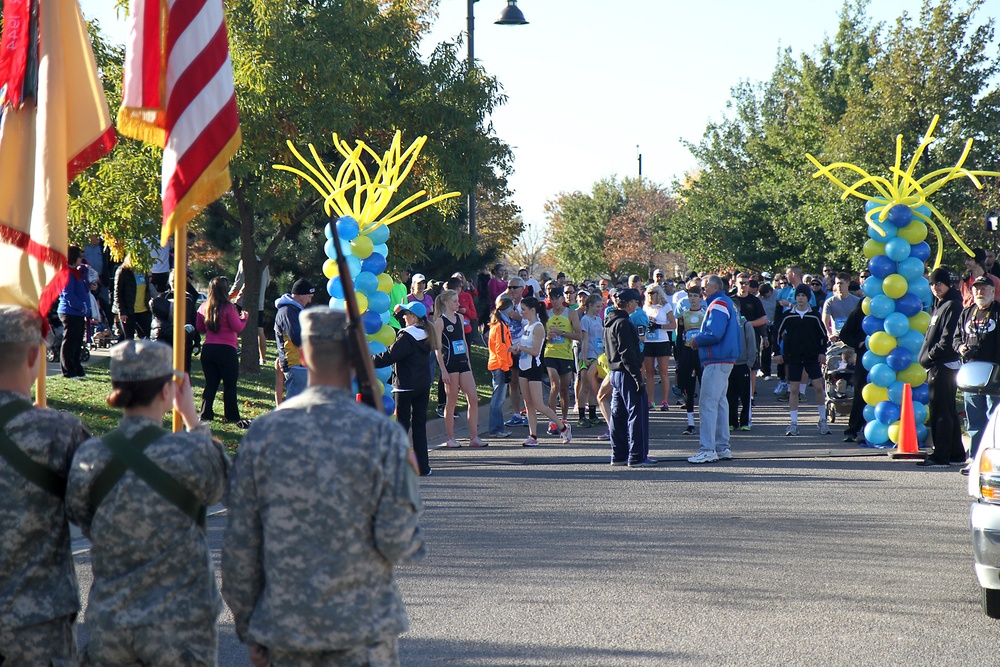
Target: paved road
{"type": "Point", "coordinates": [802, 550]}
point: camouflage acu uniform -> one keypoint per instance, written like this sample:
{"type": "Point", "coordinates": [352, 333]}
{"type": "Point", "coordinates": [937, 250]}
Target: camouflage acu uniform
{"type": "Point", "coordinates": [38, 590]}
{"type": "Point", "coordinates": [154, 597]}
{"type": "Point", "coordinates": [324, 494]}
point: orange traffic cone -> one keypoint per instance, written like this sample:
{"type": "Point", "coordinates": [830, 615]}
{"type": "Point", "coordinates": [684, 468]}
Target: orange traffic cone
{"type": "Point", "coordinates": [906, 448]}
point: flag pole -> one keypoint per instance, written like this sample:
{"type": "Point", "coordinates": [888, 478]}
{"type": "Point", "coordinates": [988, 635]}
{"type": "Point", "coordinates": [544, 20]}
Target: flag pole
{"type": "Point", "coordinates": [180, 306]}
{"type": "Point", "coordinates": [41, 400]}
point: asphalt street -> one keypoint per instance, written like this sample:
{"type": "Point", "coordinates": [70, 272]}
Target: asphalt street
{"type": "Point", "coordinates": [803, 550]}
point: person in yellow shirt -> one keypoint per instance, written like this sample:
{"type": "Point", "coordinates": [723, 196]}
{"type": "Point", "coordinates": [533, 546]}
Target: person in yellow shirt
{"type": "Point", "coordinates": [563, 329]}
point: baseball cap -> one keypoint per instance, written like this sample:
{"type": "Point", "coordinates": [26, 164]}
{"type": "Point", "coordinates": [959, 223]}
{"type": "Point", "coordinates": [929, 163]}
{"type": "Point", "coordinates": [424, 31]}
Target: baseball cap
{"type": "Point", "coordinates": [628, 294]}
{"type": "Point", "coordinates": [415, 307]}
{"type": "Point", "coordinates": [302, 286]}
{"type": "Point", "coordinates": [138, 360]}
{"type": "Point", "coordinates": [418, 278]}
{"type": "Point", "coordinates": [982, 280]}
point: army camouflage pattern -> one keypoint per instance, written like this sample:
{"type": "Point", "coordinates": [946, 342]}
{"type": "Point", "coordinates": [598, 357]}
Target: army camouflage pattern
{"type": "Point", "coordinates": [20, 325]}
{"type": "Point", "coordinates": [50, 643]}
{"type": "Point", "coordinates": [383, 654]}
{"type": "Point", "coordinates": [151, 562]}
{"type": "Point", "coordinates": [37, 577]}
{"type": "Point", "coordinates": [323, 325]}
{"type": "Point", "coordinates": [137, 360]}
{"type": "Point", "coordinates": [322, 490]}
{"type": "Point", "coordinates": [170, 645]}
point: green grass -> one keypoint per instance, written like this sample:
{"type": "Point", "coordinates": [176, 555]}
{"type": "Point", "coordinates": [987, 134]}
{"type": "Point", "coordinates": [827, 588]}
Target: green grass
{"type": "Point", "coordinates": [86, 398]}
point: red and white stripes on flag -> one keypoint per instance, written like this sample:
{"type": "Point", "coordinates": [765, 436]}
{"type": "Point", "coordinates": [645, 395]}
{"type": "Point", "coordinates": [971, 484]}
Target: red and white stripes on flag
{"type": "Point", "coordinates": [179, 94]}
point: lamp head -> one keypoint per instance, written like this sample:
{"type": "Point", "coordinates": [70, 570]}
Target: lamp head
{"type": "Point", "coordinates": [511, 15]}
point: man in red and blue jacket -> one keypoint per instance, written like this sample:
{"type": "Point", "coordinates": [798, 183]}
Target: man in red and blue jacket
{"type": "Point", "coordinates": [719, 344]}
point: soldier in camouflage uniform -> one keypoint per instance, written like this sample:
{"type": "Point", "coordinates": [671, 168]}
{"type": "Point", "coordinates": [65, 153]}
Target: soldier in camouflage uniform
{"type": "Point", "coordinates": [323, 502]}
{"type": "Point", "coordinates": [38, 591]}
{"type": "Point", "coordinates": [153, 600]}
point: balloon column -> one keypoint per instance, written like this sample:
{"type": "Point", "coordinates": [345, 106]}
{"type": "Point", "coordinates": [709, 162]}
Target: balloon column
{"type": "Point", "coordinates": [898, 296]}
{"type": "Point", "coordinates": [356, 204]}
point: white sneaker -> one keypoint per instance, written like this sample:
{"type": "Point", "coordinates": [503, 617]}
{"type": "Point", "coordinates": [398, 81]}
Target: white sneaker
{"type": "Point", "coordinates": [824, 428]}
{"type": "Point", "coordinates": [704, 457]}
{"type": "Point", "coordinates": [781, 388]}
{"type": "Point", "coordinates": [567, 435]}
{"type": "Point", "coordinates": [793, 429]}
{"type": "Point", "coordinates": [727, 455]}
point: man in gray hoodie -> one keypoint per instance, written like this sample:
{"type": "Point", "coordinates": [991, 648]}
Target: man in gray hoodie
{"type": "Point", "coordinates": [288, 335]}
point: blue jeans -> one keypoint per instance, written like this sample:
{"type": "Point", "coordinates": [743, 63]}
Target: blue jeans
{"type": "Point", "coordinates": [713, 407]}
{"type": "Point", "coordinates": [496, 403]}
{"type": "Point", "coordinates": [978, 408]}
{"type": "Point", "coordinates": [296, 381]}
{"type": "Point", "coordinates": [629, 438]}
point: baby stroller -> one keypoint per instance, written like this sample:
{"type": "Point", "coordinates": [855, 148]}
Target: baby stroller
{"type": "Point", "coordinates": [54, 343]}
{"type": "Point", "coordinates": [838, 380]}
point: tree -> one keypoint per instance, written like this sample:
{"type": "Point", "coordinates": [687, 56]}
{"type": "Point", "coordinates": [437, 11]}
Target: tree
{"type": "Point", "coordinates": [529, 250]}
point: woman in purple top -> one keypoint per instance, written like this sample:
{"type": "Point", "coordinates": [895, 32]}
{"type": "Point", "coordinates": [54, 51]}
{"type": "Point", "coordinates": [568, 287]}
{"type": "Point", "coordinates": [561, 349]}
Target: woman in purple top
{"type": "Point", "coordinates": [497, 284]}
{"type": "Point", "coordinates": [221, 322]}
{"type": "Point", "coordinates": [419, 293]}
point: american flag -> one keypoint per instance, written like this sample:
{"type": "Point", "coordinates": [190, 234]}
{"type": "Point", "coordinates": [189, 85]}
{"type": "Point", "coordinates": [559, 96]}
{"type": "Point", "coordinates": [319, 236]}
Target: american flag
{"type": "Point", "coordinates": [179, 95]}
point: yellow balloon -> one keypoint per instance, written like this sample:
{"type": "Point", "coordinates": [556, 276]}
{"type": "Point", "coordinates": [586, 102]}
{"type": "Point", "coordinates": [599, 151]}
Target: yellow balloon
{"type": "Point", "coordinates": [915, 232]}
{"type": "Point", "coordinates": [873, 394]}
{"type": "Point", "coordinates": [866, 306]}
{"type": "Point", "coordinates": [894, 432]}
{"type": "Point", "coordinates": [920, 321]}
{"type": "Point", "coordinates": [386, 335]}
{"type": "Point", "coordinates": [913, 375]}
{"type": "Point", "coordinates": [881, 343]}
{"type": "Point", "coordinates": [873, 248]}
{"type": "Point", "coordinates": [894, 286]}
{"type": "Point", "coordinates": [384, 283]}
{"type": "Point", "coordinates": [330, 268]}
{"type": "Point", "coordinates": [361, 247]}
{"type": "Point", "coordinates": [362, 302]}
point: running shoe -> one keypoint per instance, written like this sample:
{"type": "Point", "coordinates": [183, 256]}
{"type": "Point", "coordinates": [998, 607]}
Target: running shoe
{"type": "Point", "coordinates": [664, 407]}
{"type": "Point", "coordinates": [704, 457]}
{"type": "Point", "coordinates": [476, 443]}
{"type": "Point", "coordinates": [824, 428]}
{"type": "Point", "coordinates": [553, 429]}
{"type": "Point", "coordinates": [689, 430]}
{"type": "Point", "coordinates": [793, 429]}
{"type": "Point", "coordinates": [606, 436]}
{"type": "Point", "coordinates": [781, 388]}
{"type": "Point", "coordinates": [583, 423]}
{"type": "Point", "coordinates": [567, 434]}
{"type": "Point", "coordinates": [500, 434]}
{"type": "Point", "coordinates": [530, 442]}
{"type": "Point", "coordinates": [452, 444]}
{"type": "Point", "coordinates": [744, 428]}
{"type": "Point", "coordinates": [515, 421]}
{"type": "Point", "coordinates": [726, 455]}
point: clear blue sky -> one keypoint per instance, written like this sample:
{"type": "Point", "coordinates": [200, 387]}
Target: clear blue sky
{"type": "Point", "coordinates": [588, 80]}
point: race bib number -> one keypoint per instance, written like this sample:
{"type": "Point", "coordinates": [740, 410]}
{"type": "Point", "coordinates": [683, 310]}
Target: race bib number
{"type": "Point", "coordinates": [458, 346]}
{"type": "Point", "coordinates": [558, 339]}
{"type": "Point", "coordinates": [838, 322]}
{"type": "Point", "coordinates": [652, 336]}
{"type": "Point", "coordinates": [599, 345]}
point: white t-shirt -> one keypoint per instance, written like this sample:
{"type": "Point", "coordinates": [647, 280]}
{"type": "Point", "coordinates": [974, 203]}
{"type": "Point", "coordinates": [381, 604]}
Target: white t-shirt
{"type": "Point", "coordinates": [530, 334]}
{"type": "Point", "coordinates": [532, 283]}
{"type": "Point", "coordinates": [657, 314]}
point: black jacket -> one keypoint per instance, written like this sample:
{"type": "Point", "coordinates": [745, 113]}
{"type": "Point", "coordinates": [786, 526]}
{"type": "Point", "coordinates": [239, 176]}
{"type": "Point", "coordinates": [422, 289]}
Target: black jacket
{"type": "Point", "coordinates": [162, 307]}
{"type": "Point", "coordinates": [124, 292]}
{"type": "Point", "coordinates": [621, 344]}
{"type": "Point", "coordinates": [852, 333]}
{"type": "Point", "coordinates": [412, 360]}
{"type": "Point", "coordinates": [801, 338]}
{"type": "Point", "coordinates": [982, 338]}
{"type": "Point", "coordinates": [937, 349]}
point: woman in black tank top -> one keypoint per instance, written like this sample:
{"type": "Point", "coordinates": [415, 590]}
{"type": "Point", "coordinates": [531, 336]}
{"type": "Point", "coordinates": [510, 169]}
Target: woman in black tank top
{"type": "Point", "coordinates": [456, 372]}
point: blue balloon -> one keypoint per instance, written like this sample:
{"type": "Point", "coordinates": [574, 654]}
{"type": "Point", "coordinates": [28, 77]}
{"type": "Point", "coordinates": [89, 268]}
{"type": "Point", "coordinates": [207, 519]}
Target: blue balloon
{"type": "Point", "coordinates": [872, 324]}
{"type": "Point", "coordinates": [881, 266]}
{"type": "Point", "coordinates": [385, 316]}
{"type": "Point", "coordinates": [896, 392]}
{"type": "Point", "coordinates": [882, 306]}
{"type": "Point", "coordinates": [376, 347]}
{"type": "Point", "coordinates": [922, 393]}
{"type": "Point", "coordinates": [921, 433]}
{"type": "Point", "coordinates": [899, 359]}
{"type": "Point", "coordinates": [379, 234]}
{"type": "Point", "coordinates": [345, 247]}
{"type": "Point", "coordinates": [335, 288]}
{"type": "Point", "coordinates": [388, 404]}
{"type": "Point", "coordinates": [354, 266]}
{"type": "Point", "coordinates": [881, 375]}
{"type": "Point", "coordinates": [890, 232]}
{"type": "Point", "coordinates": [366, 283]}
{"type": "Point", "coordinates": [909, 304]}
{"type": "Point", "coordinates": [896, 324]}
{"type": "Point", "coordinates": [872, 287]}
{"type": "Point", "coordinates": [383, 373]}
{"type": "Point", "coordinates": [897, 249]}
{"type": "Point", "coordinates": [900, 215]}
{"type": "Point", "coordinates": [912, 340]}
{"type": "Point", "coordinates": [328, 231]}
{"type": "Point", "coordinates": [375, 263]}
{"type": "Point", "coordinates": [910, 268]}
{"type": "Point", "coordinates": [348, 228]}
{"type": "Point", "coordinates": [381, 249]}
{"type": "Point", "coordinates": [876, 433]}
{"type": "Point", "coordinates": [874, 204]}
{"type": "Point", "coordinates": [329, 249]}
{"type": "Point", "coordinates": [887, 412]}
{"type": "Point", "coordinates": [921, 287]}
{"type": "Point", "coordinates": [919, 412]}
{"type": "Point", "coordinates": [869, 413]}
{"type": "Point", "coordinates": [339, 304]}
{"type": "Point", "coordinates": [923, 210]}
{"type": "Point", "coordinates": [371, 322]}
{"type": "Point", "coordinates": [870, 360]}
{"type": "Point", "coordinates": [921, 251]}
{"type": "Point", "coordinates": [379, 301]}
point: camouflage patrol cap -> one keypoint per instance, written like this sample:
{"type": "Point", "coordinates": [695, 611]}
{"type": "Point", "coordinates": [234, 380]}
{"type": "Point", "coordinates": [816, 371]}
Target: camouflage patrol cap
{"type": "Point", "coordinates": [137, 360]}
{"type": "Point", "coordinates": [323, 325]}
{"type": "Point", "coordinates": [20, 325]}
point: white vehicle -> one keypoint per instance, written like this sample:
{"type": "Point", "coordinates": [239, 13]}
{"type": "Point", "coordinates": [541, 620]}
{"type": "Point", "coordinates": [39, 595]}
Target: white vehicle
{"type": "Point", "coordinates": [984, 487]}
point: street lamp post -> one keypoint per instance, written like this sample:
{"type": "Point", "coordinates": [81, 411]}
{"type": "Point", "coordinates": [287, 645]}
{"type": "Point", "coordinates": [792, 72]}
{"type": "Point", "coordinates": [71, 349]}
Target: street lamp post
{"type": "Point", "coordinates": [510, 15]}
